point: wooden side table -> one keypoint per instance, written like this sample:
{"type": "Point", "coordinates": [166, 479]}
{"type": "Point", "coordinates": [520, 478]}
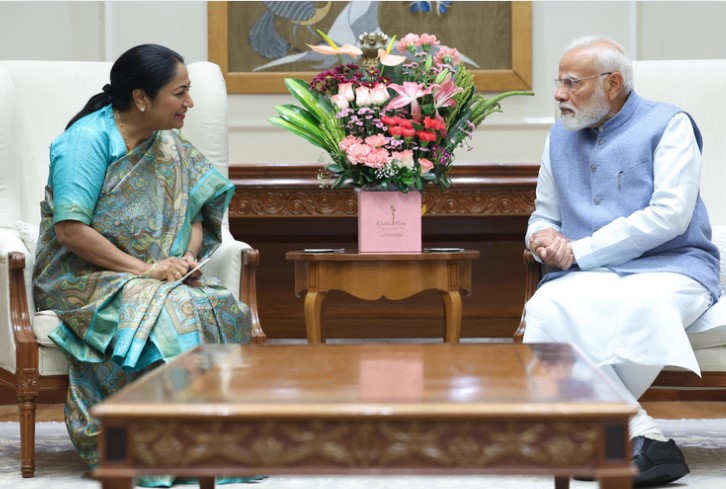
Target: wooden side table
{"type": "Point", "coordinates": [371, 276]}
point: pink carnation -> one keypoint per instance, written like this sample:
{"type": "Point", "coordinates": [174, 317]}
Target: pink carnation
{"type": "Point", "coordinates": [406, 41]}
{"type": "Point", "coordinates": [377, 158]}
{"type": "Point", "coordinates": [377, 140]}
{"type": "Point", "coordinates": [357, 153]}
{"type": "Point", "coordinates": [451, 53]}
{"type": "Point", "coordinates": [427, 39]}
{"type": "Point", "coordinates": [348, 142]}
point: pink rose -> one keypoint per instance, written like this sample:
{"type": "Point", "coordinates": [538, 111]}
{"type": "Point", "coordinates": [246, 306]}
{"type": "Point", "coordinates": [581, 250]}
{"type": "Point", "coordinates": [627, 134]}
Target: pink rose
{"type": "Point", "coordinates": [379, 94]}
{"type": "Point", "coordinates": [405, 158]}
{"type": "Point", "coordinates": [426, 165]}
{"type": "Point", "coordinates": [346, 89]}
{"type": "Point", "coordinates": [363, 97]}
{"type": "Point", "coordinates": [339, 101]}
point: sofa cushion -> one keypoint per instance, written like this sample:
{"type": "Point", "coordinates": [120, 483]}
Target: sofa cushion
{"type": "Point", "coordinates": [28, 234]}
{"type": "Point", "coordinates": [52, 361]}
{"type": "Point", "coordinates": [44, 323]}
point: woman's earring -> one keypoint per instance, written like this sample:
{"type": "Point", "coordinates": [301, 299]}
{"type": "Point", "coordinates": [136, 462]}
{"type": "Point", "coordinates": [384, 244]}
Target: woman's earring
{"type": "Point", "coordinates": [142, 109]}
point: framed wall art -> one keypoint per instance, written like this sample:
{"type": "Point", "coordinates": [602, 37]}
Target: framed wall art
{"type": "Point", "coordinates": [258, 44]}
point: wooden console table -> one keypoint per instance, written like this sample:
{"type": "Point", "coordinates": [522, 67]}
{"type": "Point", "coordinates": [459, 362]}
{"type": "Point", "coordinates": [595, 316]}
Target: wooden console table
{"type": "Point", "coordinates": [371, 276]}
{"type": "Point", "coordinates": [281, 207]}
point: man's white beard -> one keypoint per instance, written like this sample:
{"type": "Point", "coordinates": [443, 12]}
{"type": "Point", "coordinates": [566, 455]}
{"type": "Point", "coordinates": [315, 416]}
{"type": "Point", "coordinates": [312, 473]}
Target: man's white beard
{"type": "Point", "coordinates": [586, 116]}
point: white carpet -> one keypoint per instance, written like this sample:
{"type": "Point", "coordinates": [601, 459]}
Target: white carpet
{"type": "Point", "coordinates": [59, 467]}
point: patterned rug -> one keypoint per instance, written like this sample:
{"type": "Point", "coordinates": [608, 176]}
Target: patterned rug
{"type": "Point", "coordinates": [59, 467]}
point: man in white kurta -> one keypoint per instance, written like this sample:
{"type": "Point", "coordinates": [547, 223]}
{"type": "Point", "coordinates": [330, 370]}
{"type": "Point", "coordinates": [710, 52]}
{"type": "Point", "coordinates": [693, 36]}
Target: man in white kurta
{"type": "Point", "coordinates": [619, 221]}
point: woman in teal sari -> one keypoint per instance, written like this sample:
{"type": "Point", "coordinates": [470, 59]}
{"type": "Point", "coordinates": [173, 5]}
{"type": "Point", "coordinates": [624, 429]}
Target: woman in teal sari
{"type": "Point", "coordinates": [130, 207]}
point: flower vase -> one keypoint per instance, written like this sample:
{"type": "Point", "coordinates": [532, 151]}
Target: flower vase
{"type": "Point", "coordinates": [389, 222]}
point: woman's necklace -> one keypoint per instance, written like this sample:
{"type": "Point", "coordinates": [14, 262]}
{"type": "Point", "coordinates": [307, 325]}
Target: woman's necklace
{"type": "Point", "coordinates": [123, 131]}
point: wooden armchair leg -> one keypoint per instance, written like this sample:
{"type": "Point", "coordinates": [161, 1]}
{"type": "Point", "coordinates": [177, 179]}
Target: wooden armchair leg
{"type": "Point", "coordinates": [26, 406]}
{"type": "Point", "coordinates": [248, 283]}
{"type": "Point", "coordinates": [533, 275]}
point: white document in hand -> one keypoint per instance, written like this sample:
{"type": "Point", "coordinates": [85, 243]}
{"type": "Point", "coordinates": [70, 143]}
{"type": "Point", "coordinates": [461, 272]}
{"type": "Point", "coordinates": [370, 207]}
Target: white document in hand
{"type": "Point", "coordinates": [199, 265]}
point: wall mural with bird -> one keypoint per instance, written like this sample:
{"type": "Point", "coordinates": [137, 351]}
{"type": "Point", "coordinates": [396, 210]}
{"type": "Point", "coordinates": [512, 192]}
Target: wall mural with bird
{"type": "Point", "coordinates": [273, 36]}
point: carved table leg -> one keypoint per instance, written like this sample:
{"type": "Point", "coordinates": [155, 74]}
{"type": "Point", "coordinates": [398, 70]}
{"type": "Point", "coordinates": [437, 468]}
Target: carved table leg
{"type": "Point", "coordinates": [206, 483]}
{"type": "Point", "coordinates": [616, 482]}
{"type": "Point", "coordinates": [562, 482]}
{"type": "Point", "coordinates": [313, 309]}
{"type": "Point", "coordinates": [117, 483]}
{"type": "Point", "coordinates": [452, 312]}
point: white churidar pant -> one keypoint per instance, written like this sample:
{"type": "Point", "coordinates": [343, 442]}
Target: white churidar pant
{"type": "Point", "coordinates": [630, 326]}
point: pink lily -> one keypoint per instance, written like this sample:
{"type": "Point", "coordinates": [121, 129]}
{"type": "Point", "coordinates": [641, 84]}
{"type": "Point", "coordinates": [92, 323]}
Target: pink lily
{"type": "Point", "coordinates": [408, 93]}
{"type": "Point", "coordinates": [445, 92]}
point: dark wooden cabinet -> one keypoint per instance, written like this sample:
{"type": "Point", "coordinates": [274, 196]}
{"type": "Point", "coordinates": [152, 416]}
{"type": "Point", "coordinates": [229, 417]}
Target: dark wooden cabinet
{"type": "Point", "coordinates": [278, 208]}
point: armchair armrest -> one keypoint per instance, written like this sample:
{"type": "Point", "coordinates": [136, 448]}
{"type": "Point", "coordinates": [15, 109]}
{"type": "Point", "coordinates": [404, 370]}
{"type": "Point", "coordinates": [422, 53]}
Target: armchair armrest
{"type": "Point", "coordinates": [532, 277]}
{"type": "Point", "coordinates": [235, 264]}
{"type": "Point", "coordinates": [18, 345]}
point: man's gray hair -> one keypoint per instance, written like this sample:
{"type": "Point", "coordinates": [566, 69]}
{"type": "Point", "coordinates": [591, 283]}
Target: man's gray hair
{"type": "Point", "coordinates": [611, 56]}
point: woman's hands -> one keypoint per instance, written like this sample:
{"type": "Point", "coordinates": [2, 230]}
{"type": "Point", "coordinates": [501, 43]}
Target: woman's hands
{"type": "Point", "coordinates": [191, 260]}
{"type": "Point", "coordinates": [93, 247]}
{"type": "Point", "coordinates": [172, 268]}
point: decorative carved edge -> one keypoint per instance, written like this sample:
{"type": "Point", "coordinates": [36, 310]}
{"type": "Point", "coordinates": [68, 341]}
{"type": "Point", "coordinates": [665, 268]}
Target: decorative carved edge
{"type": "Point", "coordinates": [343, 203]}
{"type": "Point", "coordinates": [286, 190]}
{"type": "Point", "coordinates": [380, 444]}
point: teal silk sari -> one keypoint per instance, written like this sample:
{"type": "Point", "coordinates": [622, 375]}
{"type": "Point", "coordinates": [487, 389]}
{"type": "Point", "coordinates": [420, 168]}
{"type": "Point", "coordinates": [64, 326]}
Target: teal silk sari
{"type": "Point", "coordinates": [117, 326]}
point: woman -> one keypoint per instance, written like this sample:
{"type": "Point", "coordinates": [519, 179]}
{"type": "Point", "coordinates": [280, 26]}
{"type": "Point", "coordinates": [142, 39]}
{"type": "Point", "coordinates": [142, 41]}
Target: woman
{"type": "Point", "coordinates": [129, 208]}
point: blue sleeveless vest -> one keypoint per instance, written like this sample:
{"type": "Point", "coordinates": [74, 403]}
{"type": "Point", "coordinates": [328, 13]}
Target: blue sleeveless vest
{"type": "Point", "coordinates": [605, 173]}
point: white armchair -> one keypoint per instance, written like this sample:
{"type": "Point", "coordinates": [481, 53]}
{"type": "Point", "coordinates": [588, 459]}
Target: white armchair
{"type": "Point", "coordinates": [697, 87]}
{"type": "Point", "coordinates": [37, 99]}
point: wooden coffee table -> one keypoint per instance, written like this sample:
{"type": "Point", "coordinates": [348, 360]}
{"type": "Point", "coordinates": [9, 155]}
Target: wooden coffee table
{"type": "Point", "coordinates": [231, 410]}
{"type": "Point", "coordinates": [371, 276]}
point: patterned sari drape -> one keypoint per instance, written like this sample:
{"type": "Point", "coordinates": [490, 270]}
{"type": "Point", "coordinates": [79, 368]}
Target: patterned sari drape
{"type": "Point", "coordinates": [115, 326]}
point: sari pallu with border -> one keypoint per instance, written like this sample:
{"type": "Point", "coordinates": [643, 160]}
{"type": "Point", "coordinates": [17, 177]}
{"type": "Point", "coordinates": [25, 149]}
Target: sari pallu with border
{"type": "Point", "coordinates": [115, 326]}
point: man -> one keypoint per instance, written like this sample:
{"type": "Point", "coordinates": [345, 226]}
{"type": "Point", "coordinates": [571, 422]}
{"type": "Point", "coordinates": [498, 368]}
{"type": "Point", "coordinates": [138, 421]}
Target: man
{"type": "Point", "coordinates": [619, 221]}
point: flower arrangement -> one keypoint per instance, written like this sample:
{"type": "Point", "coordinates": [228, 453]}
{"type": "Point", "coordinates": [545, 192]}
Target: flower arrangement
{"type": "Point", "coordinates": [392, 121]}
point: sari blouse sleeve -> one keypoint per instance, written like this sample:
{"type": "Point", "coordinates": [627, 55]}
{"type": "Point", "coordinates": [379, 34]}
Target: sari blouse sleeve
{"type": "Point", "coordinates": [79, 159]}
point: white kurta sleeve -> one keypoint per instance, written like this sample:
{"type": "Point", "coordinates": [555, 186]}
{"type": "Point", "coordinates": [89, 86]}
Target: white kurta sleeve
{"type": "Point", "coordinates": [547, 201]}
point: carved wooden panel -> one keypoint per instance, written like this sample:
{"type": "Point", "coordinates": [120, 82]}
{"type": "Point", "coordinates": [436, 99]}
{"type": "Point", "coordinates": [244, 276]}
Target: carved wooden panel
{"type": "Point", "coordinates": [378, 444]}
{"type": "Point", "coordinates": [279, 208]}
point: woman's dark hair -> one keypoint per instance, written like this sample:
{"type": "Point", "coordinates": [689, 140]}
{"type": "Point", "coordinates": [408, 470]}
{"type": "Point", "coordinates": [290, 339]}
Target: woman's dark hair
{"type": "Point", "coordinates": [147, 66]}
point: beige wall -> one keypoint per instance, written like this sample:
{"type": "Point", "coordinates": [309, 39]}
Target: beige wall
{"type": "Point", "coordinates": [103, 30]}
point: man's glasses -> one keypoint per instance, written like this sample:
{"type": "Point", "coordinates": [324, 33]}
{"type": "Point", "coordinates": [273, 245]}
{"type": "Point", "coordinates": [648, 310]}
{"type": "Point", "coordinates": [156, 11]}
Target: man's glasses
{"type": "Point", "coordinates": [571, 84]}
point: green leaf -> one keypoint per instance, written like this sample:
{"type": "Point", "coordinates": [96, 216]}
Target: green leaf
{"type": "Point", "coordinates": [316, 103]}
{"type": "Point", "coordinates": [298, 131]}
{"type": "Point", "coordinates": [301, 118]}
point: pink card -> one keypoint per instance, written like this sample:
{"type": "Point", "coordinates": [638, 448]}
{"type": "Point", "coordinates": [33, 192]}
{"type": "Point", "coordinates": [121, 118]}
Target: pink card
{"type": "Point", "coordinates": [389, 222]}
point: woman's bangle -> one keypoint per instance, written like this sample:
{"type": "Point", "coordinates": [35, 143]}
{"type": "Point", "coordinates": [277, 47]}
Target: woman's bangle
{"type": "Point", "coordinates": [150, 273]}
{"type": "Point", "coordinates": [190, 252]}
